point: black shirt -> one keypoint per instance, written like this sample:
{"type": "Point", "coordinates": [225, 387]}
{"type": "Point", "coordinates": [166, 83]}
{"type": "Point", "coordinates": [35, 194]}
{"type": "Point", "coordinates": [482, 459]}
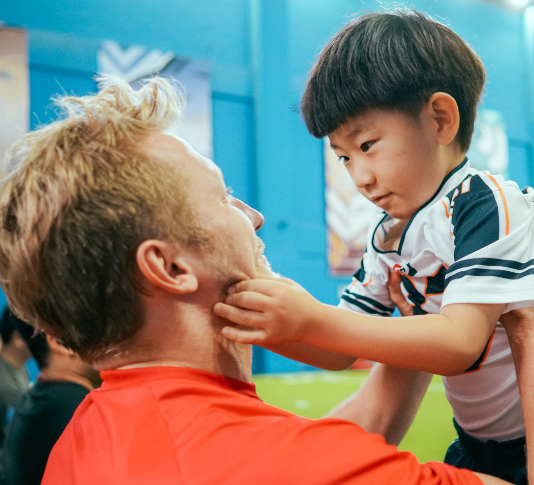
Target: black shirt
{"type": "Point", "coordinates": [40, 418]}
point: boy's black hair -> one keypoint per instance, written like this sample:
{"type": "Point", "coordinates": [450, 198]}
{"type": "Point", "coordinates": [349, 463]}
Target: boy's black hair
{"type": "Point", "coordinates": [392, 61]}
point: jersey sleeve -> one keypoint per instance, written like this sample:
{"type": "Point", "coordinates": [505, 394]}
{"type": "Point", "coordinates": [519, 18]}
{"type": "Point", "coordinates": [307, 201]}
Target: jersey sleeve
{"type": "Point", "coordinates": [491, 225]}
{"type": "Point", "coordinates": [368, 292]}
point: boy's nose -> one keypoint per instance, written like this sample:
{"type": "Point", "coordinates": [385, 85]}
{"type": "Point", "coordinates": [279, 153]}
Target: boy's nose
{"type": "Point", "coordinates": [362, 177]}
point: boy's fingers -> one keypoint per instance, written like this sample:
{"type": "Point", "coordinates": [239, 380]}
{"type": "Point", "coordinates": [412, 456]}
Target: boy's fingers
{"type": "Point", "coordinates": [244, 336]}
{"type": "Point", "coordinates": [280, 279]}
{"type": "Point", "coordinates": [266, 286]}
{"type": "Point", "coordinates": [395, 292]}
{"type": "Point", "coordinates": [237, 315]}
{"type": "Point", "coordinates": [249, 300]}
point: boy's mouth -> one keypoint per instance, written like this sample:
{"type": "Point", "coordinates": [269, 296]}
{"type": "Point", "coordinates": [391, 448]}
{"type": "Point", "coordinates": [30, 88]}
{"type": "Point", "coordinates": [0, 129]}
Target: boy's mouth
{"type": "Point", "coordinates": [380, 200]}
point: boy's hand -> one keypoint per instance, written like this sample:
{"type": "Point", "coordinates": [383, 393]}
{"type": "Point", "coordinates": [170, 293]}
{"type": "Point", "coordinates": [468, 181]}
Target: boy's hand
{"type": "Point", "coordinates": [395, 293]}
{"type": "Point", "coordinates": [276, 309]}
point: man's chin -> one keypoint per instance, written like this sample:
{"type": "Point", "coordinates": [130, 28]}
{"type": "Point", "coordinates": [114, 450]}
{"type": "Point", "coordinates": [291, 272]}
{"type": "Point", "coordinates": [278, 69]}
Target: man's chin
{"type": "Point", "coordinates": [263, 267]}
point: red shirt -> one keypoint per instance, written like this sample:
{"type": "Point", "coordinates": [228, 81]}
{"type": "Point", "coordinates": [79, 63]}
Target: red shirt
{"type": "Point", "coordinates": [173, 425]}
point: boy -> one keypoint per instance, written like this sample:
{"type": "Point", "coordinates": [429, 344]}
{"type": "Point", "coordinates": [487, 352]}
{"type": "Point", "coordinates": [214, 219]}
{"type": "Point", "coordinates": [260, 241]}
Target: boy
{"type": "Point", "coordinates": [397, 94]}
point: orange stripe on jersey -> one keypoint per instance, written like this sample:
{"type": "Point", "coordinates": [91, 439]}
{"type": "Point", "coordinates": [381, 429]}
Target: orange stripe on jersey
{"type": "Point", "coordinates": [456, 192]}
{"type": "Point", "coordinates": [485, 354]}
{"type": "Point", "coordinates": [466, 185]}
{"type": "Point", "coordinates": [368, 283]}
{"type": "Point", "coordinates": [504, 204]}
{"type": "Point", "coordinates": [447, 215]}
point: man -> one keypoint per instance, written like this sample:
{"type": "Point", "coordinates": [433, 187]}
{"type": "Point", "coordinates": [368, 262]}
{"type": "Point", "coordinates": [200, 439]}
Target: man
{"type": "Point", "coordinates": [45, 410]}
{"type": "Point", "coordinates": [118, 240]}
{"type": "Point", "coordinates": [14, 379]}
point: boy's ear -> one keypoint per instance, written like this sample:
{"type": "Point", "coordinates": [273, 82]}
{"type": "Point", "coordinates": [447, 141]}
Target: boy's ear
{"type": "Point", "coordinates": [162, 265]}
{"type": "Point", "coordinates": [443, 108]}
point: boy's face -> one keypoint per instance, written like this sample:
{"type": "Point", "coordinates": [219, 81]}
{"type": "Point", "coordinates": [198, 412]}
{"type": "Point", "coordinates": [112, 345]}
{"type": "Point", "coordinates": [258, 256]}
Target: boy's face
{"type": "Point", "coordinates": [394, 160]}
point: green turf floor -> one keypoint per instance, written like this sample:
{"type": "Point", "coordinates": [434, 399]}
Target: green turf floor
{"type": "Point", "coordinates": [313, 394]}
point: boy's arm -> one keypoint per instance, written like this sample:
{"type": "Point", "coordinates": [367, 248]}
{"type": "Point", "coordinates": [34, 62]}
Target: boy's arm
{"type": "Point", "coordinates": [279, 310]}
{"type": "Point", "coordinates": [387, 402]}
{"type": "Point", "coordinates": [519, 326]}
{"type": "Point", "coordinates": [324, 359]}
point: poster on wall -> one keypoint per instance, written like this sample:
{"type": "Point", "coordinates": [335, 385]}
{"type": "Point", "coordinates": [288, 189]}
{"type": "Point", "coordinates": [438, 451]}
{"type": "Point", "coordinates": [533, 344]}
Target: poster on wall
{"type": "Point", "coordinates": [348, 213]}
{"type": "Point", "coordinates": [14, 89]}
{"type": "Point", "coordinates": [136, 63]}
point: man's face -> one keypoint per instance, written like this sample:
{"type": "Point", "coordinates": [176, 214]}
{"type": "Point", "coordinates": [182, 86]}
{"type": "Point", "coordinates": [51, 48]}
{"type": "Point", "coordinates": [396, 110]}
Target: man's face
{"type": "Point", "coordinates": [392, 160]}
{"type": "Point", "coordinates": [236, 252]}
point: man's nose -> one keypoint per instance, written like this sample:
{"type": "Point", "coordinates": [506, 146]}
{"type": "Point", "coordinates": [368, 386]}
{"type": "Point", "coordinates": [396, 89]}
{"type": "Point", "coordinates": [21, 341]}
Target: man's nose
{"type": "Point", "coordinates": [255, 217]}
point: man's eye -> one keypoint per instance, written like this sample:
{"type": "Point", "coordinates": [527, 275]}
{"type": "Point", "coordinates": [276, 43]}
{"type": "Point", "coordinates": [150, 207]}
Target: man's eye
{"type": "Point", "coordinates": [365, 146]}
{"type": "Point", "coordinates": [345, 160]}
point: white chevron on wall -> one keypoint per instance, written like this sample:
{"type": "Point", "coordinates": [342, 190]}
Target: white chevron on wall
{"type": "Point", "coordinates": [131, 63]}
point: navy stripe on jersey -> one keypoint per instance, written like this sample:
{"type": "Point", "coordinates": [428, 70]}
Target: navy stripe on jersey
{"type": "Point", "coordinates": [498, 273]}
{"type": "Point", "coordinates": [504, 263]}
{"type": "Point", "coordinates": [417, 299]}
{"type": "Point", "coordinates": [353, 301]}
{"type": "Point", "coordinates": [375, 303]}
{"type": "Point", "coordinates": [360, 274]}
{"type": "Point", "coordinates": [436, 284]}
{"type": "Point", "coordinates": [475, 217]}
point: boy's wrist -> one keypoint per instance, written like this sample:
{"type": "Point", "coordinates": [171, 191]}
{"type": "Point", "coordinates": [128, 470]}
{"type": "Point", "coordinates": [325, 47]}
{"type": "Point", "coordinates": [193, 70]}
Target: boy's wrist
{"type": "Point", "coordinates": [311, 331]}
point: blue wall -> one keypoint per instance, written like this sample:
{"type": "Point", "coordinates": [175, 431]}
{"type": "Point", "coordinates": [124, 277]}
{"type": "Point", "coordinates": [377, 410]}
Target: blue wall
{"type": "Point", "coordinates": [260, 52]}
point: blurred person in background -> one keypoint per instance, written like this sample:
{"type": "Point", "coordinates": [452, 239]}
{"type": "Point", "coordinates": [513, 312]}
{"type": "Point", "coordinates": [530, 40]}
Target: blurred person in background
{"type": "Point", "coordinates": [44, 411]}
{"type": "Point", "coordinates": [14, 378]}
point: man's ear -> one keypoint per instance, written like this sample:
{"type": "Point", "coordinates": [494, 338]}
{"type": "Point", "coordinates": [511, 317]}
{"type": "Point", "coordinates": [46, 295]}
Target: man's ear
{"type": "Point", "coordinates": [162, 265]}
{"type": "Point", "coordinates": [443, 109]}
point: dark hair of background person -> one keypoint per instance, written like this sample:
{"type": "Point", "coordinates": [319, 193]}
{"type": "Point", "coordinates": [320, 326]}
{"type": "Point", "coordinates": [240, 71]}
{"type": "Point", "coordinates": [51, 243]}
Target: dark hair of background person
{"type": "Point", "coordinates": [392, 61]}
{"type": "Point", "coordinates": [36, 341]}
{"type": "Point", "coordinates": [7, 325]}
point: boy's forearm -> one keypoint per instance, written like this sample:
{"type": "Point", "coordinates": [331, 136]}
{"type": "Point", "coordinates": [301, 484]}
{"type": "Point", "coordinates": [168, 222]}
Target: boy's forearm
{"type": "Point", "coordinates": [324, 359]}
{"type": "Point", "coordinates": [445, 344]}
{"type": "Point", "coordinates": [519, 326]}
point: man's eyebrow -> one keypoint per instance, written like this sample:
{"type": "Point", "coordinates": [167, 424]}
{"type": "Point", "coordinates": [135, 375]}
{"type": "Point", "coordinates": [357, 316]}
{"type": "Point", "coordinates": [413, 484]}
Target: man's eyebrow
{"type": "Point", "coordinates": [358, 130]}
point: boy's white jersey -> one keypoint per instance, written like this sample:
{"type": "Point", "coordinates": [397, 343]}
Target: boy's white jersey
{"type": "Point", "coordinates": [473, 242]}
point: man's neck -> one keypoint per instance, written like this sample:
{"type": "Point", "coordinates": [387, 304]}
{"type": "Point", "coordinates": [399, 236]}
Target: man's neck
{"type": "Point", "coordinates": [192, 342]}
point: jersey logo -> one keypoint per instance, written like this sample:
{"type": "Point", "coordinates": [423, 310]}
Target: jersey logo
{"type": "Point", "coordinates": [405, 270]}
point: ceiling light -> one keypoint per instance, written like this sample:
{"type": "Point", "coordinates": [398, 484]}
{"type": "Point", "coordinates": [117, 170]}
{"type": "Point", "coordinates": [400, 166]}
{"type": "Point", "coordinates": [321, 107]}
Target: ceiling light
{"type": "Point", "coordinates": [520, 3]}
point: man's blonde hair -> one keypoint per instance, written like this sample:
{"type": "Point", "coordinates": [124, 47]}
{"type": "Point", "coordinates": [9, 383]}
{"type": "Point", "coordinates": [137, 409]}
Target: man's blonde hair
{"type": "Point", "coordinates": [78, 198]}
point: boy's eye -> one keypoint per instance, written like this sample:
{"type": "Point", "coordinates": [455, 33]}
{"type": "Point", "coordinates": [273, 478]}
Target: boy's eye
{"type": "Point", "coordinates": [365, 146]}
{"type": "Point", "coordinates": [345, 160]}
